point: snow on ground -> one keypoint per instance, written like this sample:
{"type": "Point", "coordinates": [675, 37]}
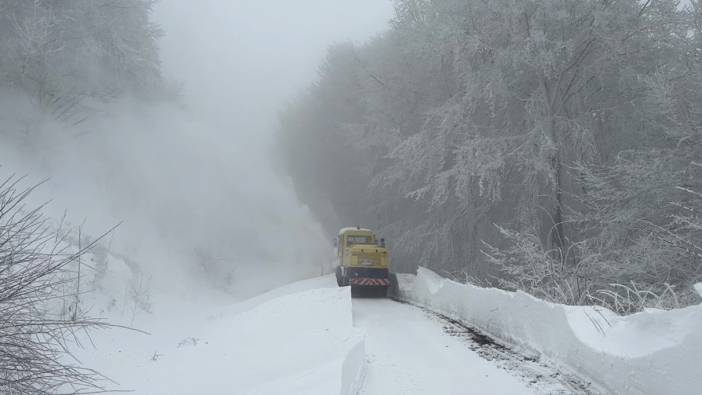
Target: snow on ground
{"type": "Point", "coordinates": [308, 337]}
{"type": "Point", "coordinates": [653, 352]}
{"type": "Point", "coordinates": [409, 353]}
{"type": "Point", "coordinates": [297, 339]}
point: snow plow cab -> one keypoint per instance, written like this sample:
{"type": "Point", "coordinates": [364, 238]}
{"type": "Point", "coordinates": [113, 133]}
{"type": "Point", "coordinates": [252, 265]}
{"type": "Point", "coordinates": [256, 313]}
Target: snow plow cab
{"type": "Point", "coordinates": [362, 260]}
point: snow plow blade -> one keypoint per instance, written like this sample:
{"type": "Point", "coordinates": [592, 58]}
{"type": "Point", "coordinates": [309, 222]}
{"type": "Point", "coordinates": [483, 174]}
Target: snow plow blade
{"type": "Point", "coordinates": [369, 282]}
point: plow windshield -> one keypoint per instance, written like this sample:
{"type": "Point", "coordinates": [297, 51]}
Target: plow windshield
{"type": "Point", "coordinates": [352, 240]}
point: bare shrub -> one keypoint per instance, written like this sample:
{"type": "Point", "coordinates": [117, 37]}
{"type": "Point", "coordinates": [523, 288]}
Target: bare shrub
{"type": "Point", "coordinates": [582, 274]}
{"type": "Point", "coordinates": [546, 273]}
{"type": "Point", "coordinates": [139, 293]}
{"type": "Point", "coordinates": [631, 298]}
{"type": "Point", "coordinates": [34, 342]}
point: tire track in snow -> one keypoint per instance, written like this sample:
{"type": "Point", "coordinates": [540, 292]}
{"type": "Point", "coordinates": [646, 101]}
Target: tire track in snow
{"type": "Point", "coordinates": [408, 353]}
{"type": "Point", "coordinates": [542, 375]}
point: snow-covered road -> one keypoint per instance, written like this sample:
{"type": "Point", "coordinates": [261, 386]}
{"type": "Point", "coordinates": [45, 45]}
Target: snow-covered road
{"type": "Point", "coordinates": [308, 338]}
{"type": "Point", "coordinates": [408, 352]}
{"type": "Point", "coordinates": [312, 338]}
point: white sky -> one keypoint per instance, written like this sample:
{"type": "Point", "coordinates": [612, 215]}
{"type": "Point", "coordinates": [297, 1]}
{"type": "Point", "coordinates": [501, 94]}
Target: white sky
{"type": "Point", "coordinates": [243, 59]}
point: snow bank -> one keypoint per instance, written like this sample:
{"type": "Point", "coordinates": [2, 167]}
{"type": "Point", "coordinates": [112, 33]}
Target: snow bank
{"type": "Point", "coordinates": [301, 342]}
{"type": "Point", "coordinates": [353, 371]}
{"type": "Point", "coordinates": [653, 352]}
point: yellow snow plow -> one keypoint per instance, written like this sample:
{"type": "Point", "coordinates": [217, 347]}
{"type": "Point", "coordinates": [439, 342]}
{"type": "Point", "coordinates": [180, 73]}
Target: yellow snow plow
{"type": "Point", "coordinates": [362, 260]}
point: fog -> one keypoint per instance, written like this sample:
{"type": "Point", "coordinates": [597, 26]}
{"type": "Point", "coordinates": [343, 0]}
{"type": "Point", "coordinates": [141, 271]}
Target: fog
{"type": "Point", "coordinates": [191, 181]}
{"type": "Point", "coordinates": [241, 60]}
{"type": "Point", "coordinates": [173, 174]}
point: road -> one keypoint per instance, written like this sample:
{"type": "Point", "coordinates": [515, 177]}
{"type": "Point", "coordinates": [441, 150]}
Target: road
{"type": "Point", "coordinates": [409, 352]}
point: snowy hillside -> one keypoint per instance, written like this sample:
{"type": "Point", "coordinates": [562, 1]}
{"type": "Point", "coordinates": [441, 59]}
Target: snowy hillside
{"type": "Point", "coordinates": [301, 341]}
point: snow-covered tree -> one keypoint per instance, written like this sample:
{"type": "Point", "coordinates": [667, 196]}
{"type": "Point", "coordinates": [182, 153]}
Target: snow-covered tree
{"type": "Point", "coordinates": [470, 113]}
{"type": "Point", "coordinates": [58, 51]}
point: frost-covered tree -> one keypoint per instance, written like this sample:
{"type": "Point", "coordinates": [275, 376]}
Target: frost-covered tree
{"type": "Point", "coordinates": [61, 50]}
{"type": "Point", "coordinates": [469, 113]}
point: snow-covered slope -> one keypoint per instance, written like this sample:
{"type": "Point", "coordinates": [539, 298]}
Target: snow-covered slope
{"type": "Point", "coordinates": [298, 339]}
{"type": "Point", "coordinates": [653, 352]}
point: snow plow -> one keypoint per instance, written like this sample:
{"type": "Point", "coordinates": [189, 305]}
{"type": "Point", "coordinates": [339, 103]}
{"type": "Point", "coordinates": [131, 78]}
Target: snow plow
{"type": "Point", "coordinates": [362, 261]}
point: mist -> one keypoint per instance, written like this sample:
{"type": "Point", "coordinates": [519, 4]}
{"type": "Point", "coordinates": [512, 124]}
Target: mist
{"type": "Point", "coordinates": [518, 186]}
{"type": "Point", "coordinates": [191, 180]}
{"type": "Point", "coordinates": [241, 61]}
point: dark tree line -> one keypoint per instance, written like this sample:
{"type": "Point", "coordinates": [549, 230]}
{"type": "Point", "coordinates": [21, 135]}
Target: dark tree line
{"type": "Point", "coordinates": [546, 145]}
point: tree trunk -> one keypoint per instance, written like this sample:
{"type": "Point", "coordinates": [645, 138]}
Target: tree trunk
{"type": "Point", "coordinates": [555, 234]}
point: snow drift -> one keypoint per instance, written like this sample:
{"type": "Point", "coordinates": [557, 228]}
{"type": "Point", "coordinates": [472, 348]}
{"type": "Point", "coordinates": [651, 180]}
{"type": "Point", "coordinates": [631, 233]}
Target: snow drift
{"type": "Point", "coordinates": [297, 339]}
{"type": "Point", "coordinates": [652, 352]}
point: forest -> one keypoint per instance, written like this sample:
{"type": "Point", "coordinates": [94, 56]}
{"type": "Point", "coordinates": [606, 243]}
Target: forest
{"type": "Point", "coordinates": [65, 53]}
{"type": "Point", "coordinates": [549, 146]}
